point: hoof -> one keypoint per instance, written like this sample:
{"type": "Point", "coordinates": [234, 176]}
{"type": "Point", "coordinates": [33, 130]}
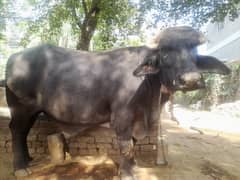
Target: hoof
{"type": "Point", "coordinates": [22, 172]}
{"type": "Point", "coordinates": [162, 163]}
{"type": "Point", "coordinates": [29, 159]}
{"type": "Point", "coordinates": [127, 177]}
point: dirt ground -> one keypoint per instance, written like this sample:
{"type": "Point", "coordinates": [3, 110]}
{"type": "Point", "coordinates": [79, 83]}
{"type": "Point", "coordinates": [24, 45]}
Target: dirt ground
{"type": "Point", "coordinates": [213, 155]}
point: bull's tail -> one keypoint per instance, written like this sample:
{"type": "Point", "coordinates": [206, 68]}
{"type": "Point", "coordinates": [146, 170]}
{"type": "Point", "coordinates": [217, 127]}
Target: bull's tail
{"type": "Point", "coordinates": [2, 83]}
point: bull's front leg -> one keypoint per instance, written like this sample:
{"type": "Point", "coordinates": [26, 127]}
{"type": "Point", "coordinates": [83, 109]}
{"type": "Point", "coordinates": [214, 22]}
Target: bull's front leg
{"type": "Point", "coordinates": [127, 161]}
{"type": "Point", "coordinates": [122, 123]}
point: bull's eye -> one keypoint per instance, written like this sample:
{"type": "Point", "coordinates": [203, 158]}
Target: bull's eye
{"type": "Point", "coordinates": [166, 60]}
{"type": "Point", "coordinates": [165, 56]}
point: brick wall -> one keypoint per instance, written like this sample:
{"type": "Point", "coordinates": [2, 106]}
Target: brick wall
{"type": "Point", "coordinates": [99, 141]}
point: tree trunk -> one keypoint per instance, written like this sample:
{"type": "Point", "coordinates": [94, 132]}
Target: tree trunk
{"type": "Point", "coordinates": [89, 25]}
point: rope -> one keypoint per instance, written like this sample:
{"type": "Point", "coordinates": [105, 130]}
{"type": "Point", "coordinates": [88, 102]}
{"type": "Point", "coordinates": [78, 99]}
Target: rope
{"type": "Point", "coordinates": [160, 141]}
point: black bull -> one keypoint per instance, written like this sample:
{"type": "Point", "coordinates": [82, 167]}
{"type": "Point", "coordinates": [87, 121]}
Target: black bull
{"type": "Point", "coordinates": [81, 90]}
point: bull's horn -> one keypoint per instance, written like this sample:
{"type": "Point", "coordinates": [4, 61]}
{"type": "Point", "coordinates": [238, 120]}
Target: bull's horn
{"type": "Point", "coordinates": [180, 36]}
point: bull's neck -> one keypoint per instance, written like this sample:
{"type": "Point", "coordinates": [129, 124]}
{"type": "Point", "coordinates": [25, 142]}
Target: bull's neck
{"type": "Point", "coordinates": [153, 82]}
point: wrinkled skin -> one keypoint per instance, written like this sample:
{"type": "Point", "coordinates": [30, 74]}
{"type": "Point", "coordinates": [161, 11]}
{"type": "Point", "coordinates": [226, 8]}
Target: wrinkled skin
{"type": "Point", "coordinates": [81, 90]}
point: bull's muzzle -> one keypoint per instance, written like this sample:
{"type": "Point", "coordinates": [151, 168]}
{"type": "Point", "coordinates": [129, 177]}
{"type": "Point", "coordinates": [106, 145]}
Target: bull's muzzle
{"type": "Point", "coordinates": [191, 81]}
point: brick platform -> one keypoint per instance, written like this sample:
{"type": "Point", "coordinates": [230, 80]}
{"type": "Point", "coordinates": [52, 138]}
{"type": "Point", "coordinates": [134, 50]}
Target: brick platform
{"type": "Point", "coordinates": [99, 141]}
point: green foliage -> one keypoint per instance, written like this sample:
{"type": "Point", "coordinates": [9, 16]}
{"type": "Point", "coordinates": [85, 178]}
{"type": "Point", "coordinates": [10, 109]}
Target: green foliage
{"type": "Point", "coordinates": [47, 24]}
{"type": "Point", "coordinates": [116, 20]}
{"type": "Point", "coordinates": [114, 24]}
{"type": "Point", "coordinates": [194, 12]}
{"type": "Point", "coordinates": [2, 18]}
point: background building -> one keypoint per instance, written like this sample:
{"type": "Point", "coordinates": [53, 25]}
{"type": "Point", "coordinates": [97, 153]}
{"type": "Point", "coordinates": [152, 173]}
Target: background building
{"type": "Point", "coordinates": [224, 39]}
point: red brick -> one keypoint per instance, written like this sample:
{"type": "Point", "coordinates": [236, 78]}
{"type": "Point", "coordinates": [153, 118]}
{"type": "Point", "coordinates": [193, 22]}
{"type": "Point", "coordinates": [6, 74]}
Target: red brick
{"type": "Point", "coordinates": [143, 141]}
{"type": "Point", "coordinates": [9, 150]}
{"type": "Point", "coordinates": [91, 146]}
{"type": "Point", "coordinates": [86, 139]}
{"type": "Point", "coordinates": [44, 144]}
{"type": "Point", "coordinates": [115, 144]}
{"type": "Point", "coordinates": [153, 139]}
{"type": "Point", "coordinates": [4, 123]}
{"type": "Point", "coordinates": [113, 151]}
{"type": "Point", "coordinates": [92, 151]}
{"type": "Point", "coordinates": [78, 145]}
{"type": "Point", "coordinates": [143, 154]}
{"type": "Point", "coordinates": [73, 140]}
{"type": "Point", "coordinates": [73, 145]}
{"type": "Point", "coordinates": [42, 137]}
{"type": "Point", "coordinates": [137, 153]}
{"type": "Point", "coordinates": [83, 152]}
{"type": "Point", "coordinates": [148, 147]}
{"type": "Point", "coordinates": [2, 150]}
{"type": "Point", "coordinates": [137, 148]}
{"type": "Point", "coordinates": [29, 144]}
{"type": "Point", "coordinates": [73, 151]}
{"type": "Point", "coordinates": [40, 150]}
{"type": "Point", "coordinates": [32, 137]}
{"type": "Point", "coordinates": [33, 131]}
{"type": "Point", "coordinates": [31, 150]}
{"type": "Point", "coordinates": [104, 146]}
{"type": "Point", "coordinates": [102, 151]}
{"type": "Point", "coordinates": [82, 145]}
{"type": "Point", "coordinates": [103, 139]}
{"type": "Point", "coordinates": [36, 144]}
{"type": "Point", "coordinates": [8, 144]}
{"type": "Point", "coordinates": [5, 137]}
{"type": "Point", "coordinates": [2, 137]}
{"type": "Point", "coordinates": [2, 143]}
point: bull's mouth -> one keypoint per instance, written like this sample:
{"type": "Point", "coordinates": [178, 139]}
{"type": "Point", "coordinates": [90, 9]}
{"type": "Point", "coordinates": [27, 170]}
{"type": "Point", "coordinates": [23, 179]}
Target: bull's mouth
{"type": "Point", "coordinates": [190, 87]}
{"type": "Point", "coordinates": [179, 86]}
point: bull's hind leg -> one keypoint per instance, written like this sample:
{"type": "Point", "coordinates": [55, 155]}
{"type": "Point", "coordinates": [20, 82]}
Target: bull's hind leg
{"type": "Point", "coordinates": [22, 119]}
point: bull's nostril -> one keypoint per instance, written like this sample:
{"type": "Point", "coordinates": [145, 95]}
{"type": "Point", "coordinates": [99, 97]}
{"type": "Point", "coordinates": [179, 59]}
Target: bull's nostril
{"type": "Point", "coordinates": [181, 80]}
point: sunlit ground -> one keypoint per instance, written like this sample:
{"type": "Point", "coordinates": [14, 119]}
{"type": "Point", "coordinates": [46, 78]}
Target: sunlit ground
{"type": "Point", "coordinates": [225, 117]}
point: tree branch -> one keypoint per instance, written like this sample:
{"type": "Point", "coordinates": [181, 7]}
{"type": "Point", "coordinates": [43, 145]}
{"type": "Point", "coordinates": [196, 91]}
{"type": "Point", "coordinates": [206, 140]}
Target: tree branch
{"type": "Point", "coordinates": [85, 7]}
{"type": "Point", "coordinates": [74, 14]}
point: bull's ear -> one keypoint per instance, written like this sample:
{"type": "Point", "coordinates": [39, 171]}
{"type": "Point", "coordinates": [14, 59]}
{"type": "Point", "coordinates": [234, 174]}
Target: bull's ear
{"type": "Point", "coordinates": [149, 66]}
{"type": "Point", "coordinates": [144, 69]}
{"type": "Point", "coordinates": [211, 64]}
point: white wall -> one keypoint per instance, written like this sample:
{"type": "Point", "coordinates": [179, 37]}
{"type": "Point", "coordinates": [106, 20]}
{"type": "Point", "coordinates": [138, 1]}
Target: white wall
{"type": "Point", "coordinates": [224, 39]}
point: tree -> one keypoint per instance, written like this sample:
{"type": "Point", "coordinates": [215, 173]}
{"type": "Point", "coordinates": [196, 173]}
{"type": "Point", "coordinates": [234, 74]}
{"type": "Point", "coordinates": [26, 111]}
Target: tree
{"type": "Point", "coordinates": [194, 12]}
{"type": "Point", "coordinates": [108, 23]}
{"type": "Point", "coordinates": [2, 18]}
{"type": "Point", "coordinates": [85, 17]}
